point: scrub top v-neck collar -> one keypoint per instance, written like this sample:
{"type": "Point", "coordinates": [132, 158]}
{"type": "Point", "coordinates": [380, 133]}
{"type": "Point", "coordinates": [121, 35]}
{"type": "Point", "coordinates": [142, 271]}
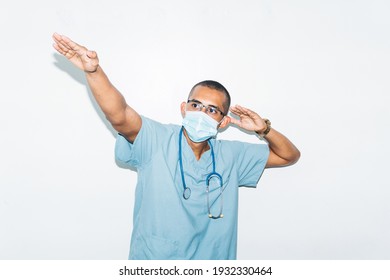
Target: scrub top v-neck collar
{"type": "Point", "coordinates": [204, 164]}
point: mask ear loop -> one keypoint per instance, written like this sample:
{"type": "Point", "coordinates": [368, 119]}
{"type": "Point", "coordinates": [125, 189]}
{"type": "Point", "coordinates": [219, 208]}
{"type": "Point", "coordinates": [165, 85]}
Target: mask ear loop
{"type": "Point", "coordinates": [220, 122]}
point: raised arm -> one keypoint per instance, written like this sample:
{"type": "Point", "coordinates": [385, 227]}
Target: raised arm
{"type": "Point", "coordinates": [123, 118]}
{"type": "Point", "coordinates": [282, 150]}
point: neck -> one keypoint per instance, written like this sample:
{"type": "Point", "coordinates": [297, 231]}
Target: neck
{"type": "Point", "coordinates": [197, 148]}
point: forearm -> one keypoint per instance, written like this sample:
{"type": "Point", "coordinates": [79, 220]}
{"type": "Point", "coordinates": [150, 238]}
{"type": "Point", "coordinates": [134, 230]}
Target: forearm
{"type": "Point", "coordinates": [109, 99]}
{"type": "Point", "coordinates": [283, 151]}
{"type": "Point", "coordinates": [122, 117]}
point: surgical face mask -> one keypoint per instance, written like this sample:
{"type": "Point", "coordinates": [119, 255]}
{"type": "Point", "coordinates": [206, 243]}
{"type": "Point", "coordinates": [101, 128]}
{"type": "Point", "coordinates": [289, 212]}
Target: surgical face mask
{"type": "Point", "coordinates": [199, 126]}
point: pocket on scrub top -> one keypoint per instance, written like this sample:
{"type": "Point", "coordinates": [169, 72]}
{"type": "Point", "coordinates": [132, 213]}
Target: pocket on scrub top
{"type": "Point", "coordinates": [154, 247]}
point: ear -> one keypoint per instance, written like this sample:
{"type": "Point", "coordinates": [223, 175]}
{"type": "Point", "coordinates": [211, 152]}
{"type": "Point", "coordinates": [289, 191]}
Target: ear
{"type": "Point", "coordinates": [225, 122]}
{"type": "Point", "coordinates": [183, 109]}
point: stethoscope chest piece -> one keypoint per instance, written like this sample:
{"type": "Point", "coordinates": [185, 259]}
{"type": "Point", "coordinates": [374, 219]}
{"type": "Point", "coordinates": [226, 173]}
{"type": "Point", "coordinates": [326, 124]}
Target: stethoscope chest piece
{"type": "Point", "coordinates": [187, 193]}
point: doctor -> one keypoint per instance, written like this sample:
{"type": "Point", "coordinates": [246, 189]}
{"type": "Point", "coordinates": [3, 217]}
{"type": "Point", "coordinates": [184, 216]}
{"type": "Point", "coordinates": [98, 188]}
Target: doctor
{"type": "Point", "coordinates": [186, 203]}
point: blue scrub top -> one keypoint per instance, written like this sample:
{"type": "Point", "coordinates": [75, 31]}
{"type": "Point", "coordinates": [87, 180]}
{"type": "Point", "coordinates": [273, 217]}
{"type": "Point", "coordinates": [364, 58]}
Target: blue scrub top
{"type": "Point", "coordinates": [165, 225]}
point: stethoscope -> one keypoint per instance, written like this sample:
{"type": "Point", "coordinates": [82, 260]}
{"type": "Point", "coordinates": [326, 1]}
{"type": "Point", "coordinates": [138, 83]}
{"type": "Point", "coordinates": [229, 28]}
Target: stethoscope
{"type": "Point", "coordinates": [212, 175]}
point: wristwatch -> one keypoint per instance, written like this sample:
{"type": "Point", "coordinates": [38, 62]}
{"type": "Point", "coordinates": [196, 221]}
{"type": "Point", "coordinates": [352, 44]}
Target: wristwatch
{"type": "Point", "coordinates": [265, 132]}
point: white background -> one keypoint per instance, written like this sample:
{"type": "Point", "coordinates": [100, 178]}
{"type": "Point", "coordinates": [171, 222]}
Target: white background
{"type": "Point", "coordinates": [318, 69]}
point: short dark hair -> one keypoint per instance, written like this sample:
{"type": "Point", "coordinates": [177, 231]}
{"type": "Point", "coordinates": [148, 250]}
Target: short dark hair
{"type": "Point", "coordinates": [217, 86]}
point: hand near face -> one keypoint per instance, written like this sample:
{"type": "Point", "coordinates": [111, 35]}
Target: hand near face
{"type": "Point", "coordinates": [248, 119]}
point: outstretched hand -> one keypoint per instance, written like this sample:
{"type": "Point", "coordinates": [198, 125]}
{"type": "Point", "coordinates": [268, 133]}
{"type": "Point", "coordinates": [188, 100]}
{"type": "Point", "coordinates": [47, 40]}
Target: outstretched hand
{"type": "Point", "coordinates": [80, 56]}
{"type": "Point", "coordinates": [248, 119]}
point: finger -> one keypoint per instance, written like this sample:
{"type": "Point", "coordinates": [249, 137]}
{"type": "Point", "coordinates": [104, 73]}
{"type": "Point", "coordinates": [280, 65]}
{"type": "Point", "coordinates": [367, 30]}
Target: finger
{"type": "Point", "coordinates": [233, 109]}
{"type": "Point", "coordinates": [58, 49]}
{"type": "Point", "coordinates": [237, 110]}
{"type": "Point", "coordinates": [57, 43]}
{"type": "Point", "coordinates": [235, 121]}
{"type": "Point", "coordinates": [67, 46]}
{"type": "Point", "coordinates": [244, 111]}
{"type": "Point", "coordinates": [59, 40]}
{"type": "Point", "coordinates": [56, 37]}
{"type": "Point", "coordinates": [61, 46]}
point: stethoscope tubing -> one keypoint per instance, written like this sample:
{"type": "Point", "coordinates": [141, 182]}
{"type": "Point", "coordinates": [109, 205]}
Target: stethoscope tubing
{"type": "Point", "coordinates": [187, 190]}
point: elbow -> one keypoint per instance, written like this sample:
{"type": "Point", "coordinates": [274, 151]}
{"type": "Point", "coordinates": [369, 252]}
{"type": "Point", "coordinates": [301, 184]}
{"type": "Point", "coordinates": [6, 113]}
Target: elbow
{"type": "Point", "coordinates": [295, 156]}
{"type": "Point", "coordinates": [115, 122]}
{"type": "Point", "coordinates": [116, 119]}
{"type": "Point", "coordinates": [292, 158]}
{"type": "Point", "coordinates": [288, 159]}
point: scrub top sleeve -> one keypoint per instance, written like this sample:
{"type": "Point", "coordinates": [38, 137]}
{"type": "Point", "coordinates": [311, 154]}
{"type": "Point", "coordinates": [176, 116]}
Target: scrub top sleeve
{"type": "Point", "coordinates": [124, 151]}
{"type": "Point", "coordinates": [253, 158]}
{"type": "Point", "coordinates": [141, 151]}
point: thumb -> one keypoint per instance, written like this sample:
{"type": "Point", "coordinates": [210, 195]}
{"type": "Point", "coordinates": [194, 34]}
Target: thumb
{"type": "Point", "coordinates": [91, 54]}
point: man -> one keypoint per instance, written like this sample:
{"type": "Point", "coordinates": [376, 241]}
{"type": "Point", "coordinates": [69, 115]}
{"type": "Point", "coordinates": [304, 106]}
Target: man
{"type": "Point", "coordinates": [186, 204]}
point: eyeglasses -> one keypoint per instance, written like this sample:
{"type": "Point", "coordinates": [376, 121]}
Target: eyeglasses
{"type": "Point", "coordinates": [211, 110]}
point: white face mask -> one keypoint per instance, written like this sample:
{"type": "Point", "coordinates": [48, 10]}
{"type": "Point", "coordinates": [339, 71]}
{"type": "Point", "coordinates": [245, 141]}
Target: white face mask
{"type": "Point", "coordinates": [200, 126]}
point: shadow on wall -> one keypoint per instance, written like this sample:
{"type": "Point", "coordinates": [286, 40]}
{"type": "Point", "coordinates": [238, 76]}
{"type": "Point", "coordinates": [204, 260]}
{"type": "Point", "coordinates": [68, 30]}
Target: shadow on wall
{"type": "Point", "coordinates": [64, 65]}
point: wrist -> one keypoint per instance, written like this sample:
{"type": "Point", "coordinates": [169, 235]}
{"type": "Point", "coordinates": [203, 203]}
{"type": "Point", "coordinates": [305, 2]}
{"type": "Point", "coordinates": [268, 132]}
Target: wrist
{"type": "Point", "coordinates": [264, 132]}
{"type": "Point", "coordinates": [92, 71]}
